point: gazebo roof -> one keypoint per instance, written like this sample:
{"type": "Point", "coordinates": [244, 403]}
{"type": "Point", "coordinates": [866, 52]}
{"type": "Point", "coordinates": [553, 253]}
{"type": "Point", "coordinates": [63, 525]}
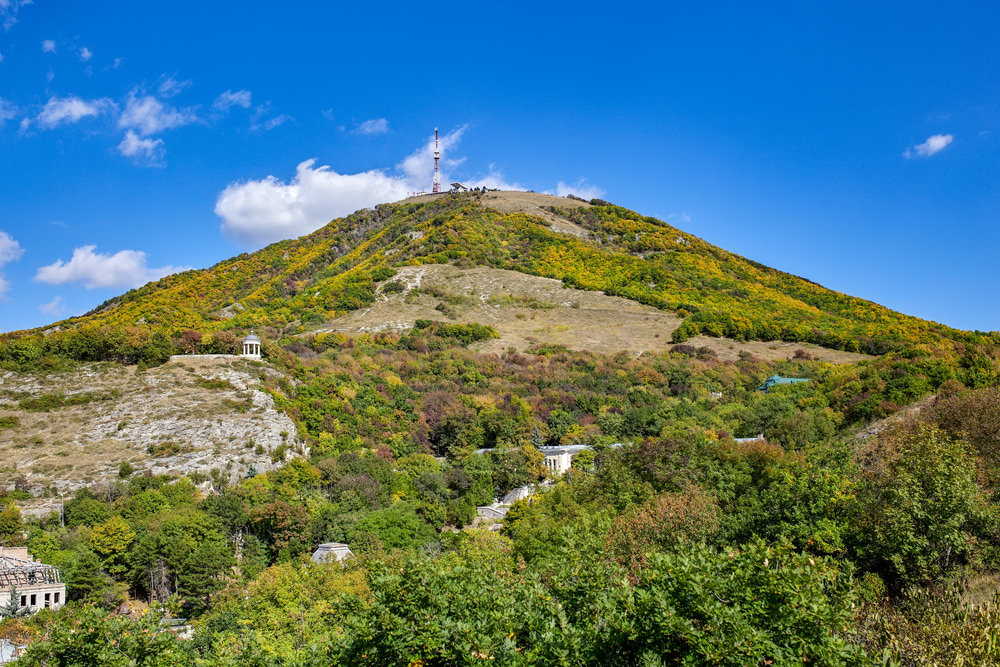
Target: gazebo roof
{"type": "Point", "coordinates": [252, 338]}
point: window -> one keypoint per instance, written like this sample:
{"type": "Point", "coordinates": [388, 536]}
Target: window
{"type": "Point", "coordinates": [57, 598]}
{"type": "Point", "coordinates": [34, 600]}
{"type": "Point", "coordinates": [48, 599]}
{"type": "Point", "coordinates": [24, 600]}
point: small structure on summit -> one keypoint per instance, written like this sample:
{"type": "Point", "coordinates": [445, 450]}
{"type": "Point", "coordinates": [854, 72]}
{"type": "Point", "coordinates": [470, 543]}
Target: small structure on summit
{"type": "Point", "coordinates": [776, 380]}
{"type": "Point", "coordinates": [331, 551]}
{"type": "Point", "coordinates": [251, 346]}
{"type": "Point", "coordinates": [35, 584]}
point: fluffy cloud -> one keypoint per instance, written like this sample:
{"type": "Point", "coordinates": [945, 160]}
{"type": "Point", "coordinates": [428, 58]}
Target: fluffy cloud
{"type": "Point", "coordinates": [580, 189]}
{"type": "Point", "coordinates": [934, 144]}
{"type": "Point", "coordinates": [55, 307]}
{"type": "Point", "coordinates": [86, 54]}
{"type": "Point", "coordinates": [125, 268]}
{"type": "Point", "coordinates": [10, 250]}
{"type": "Point", "coordinates": [49, 46]}
{"type": "Point", "coordinates": [62, 110]}
{"type": "Point", "coordinates": [373, 126]}
{"type": "Point", "coordinates": [145, 150]}
{"type": "Point", "coordinates": [229, 99]}
{"type": "Point", "coordinates": [419, 165]}
{"type": "Point", "coordinates": [262, 211]}
{"type": "Point", "coordinates": [149, 115]}
{"type": "Point", "coordinates": [259, 212]}
{"type": "Point", "coordinates": [494, 180]}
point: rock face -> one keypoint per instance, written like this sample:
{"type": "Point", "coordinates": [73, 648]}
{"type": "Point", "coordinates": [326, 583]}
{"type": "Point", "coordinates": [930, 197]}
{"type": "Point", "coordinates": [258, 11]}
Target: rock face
{"type": "Point", "coordinates": [201, 415]}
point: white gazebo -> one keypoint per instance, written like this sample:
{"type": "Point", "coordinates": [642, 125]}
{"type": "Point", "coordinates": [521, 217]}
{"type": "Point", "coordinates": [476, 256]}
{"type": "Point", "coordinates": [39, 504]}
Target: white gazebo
{"type": "Point", "coordinates": [251, 346]}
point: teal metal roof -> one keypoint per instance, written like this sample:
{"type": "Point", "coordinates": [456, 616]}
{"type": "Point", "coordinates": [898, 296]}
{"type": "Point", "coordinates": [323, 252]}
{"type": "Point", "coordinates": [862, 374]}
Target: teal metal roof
{"type": "Point", "coordinates": [778, 380]}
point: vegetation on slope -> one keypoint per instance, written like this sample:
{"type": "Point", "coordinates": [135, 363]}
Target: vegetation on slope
{"type": "Point", "coordinates": [294, 284]}
{"type": "Point", "coordinates": [683, 545]}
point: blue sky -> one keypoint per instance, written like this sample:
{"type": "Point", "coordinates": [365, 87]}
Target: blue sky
{"type": "Point", "coordinates": [852, 144]}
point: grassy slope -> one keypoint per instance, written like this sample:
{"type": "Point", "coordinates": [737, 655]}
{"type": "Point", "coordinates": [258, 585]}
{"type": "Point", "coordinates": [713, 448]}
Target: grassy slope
{"type": "Point", "coordinates": [309, 280]}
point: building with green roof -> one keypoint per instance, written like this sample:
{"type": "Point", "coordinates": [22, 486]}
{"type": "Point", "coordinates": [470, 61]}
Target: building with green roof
{"type": "Point", "coordinates": [776, 380]}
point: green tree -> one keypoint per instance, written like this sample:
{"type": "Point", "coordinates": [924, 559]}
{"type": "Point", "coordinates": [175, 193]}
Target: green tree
{"type": "Point", "coordinates": [87, 581]}
{"type": "Point", "coordinates": [921, 512]}
{"type": "Point", "coordinates": [13, 608]}
{"type": "Point", "coordinates": [111, 540]}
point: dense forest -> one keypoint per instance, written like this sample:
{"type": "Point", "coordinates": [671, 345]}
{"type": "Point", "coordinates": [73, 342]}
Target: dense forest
{"type": "Point", "coordinates": [679, 536]}
{"type": "Point", "coordinates": [850, 519]}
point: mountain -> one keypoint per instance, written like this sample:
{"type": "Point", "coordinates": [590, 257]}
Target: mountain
{"type": "Point", "coordinates": [301, 284]}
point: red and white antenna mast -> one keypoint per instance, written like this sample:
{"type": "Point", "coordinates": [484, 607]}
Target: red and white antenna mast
{"type": "Point", "coordinates": [437, 158]}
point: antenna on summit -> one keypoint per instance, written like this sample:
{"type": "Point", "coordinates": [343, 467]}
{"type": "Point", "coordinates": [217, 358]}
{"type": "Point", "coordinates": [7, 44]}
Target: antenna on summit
{"type": "Point", "coordinates": [437, 158]}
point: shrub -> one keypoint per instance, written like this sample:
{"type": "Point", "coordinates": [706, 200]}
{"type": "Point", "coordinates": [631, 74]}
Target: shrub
{"type": "Point", "coordinates": [661, 523]}
{"type": "Point", "coordinates": [921, 512]}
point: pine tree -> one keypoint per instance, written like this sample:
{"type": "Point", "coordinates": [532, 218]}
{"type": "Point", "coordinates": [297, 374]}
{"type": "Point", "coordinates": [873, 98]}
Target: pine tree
{"type": "Point", "coordinates": [13, 608]}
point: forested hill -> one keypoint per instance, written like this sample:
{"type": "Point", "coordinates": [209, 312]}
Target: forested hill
{"type": "Point", "coordinates": [296, 284]}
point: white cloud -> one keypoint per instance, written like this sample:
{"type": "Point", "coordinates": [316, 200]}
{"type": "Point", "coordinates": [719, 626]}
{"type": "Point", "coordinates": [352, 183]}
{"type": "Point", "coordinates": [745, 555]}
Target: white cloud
{"type": "Point", "coordinates": [580, 189]}
{"type": "Point", "coordinates": [125, 268]}
{"type": "Point", "coordinates": [49, 46]}
{"type": "Point", "coordinates": [145, 150]}
{"type": "Point", "coordinates": [86, 54]}
{"type": "Point", "coordinates": [934, 144]}
{"type": "Point", "coordinates": [60, 110]}
{"type": "Point", "coordinates": [419, 165]}
{"type": "Point", "coordinates": [230, 99]}
{"type": "Point", "coordinates": [259, 120]}
{"type": "Point", "coordinates": [10, 250]}
{"type": "Point", "coordinates": [259, 212]}
{"type": "Point", "coordinates": [55, 307]}
{"type": "Point", "coordinates": [373, 126]}
{"type": "Point", "coordinates": [149, 115]}
{"type": "Point", "coordinates": [493, 180]}
{"type": "Point", "coordinates": [171, 86]}
{"type": "Point", "coordinates": [7, 111]}
{"type": "Point", "coordinates": [8, 11]}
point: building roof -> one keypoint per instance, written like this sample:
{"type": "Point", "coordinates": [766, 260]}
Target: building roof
{"type": "Point", "coordinates": [17, 571]}
{"type": "Point", "coordinates": [251, 338]}
{"type": "Point", "coordinates": [777, 379]}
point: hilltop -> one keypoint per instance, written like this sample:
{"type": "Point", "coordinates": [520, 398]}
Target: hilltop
{"type": "Point", "coordinates": [305, 284]}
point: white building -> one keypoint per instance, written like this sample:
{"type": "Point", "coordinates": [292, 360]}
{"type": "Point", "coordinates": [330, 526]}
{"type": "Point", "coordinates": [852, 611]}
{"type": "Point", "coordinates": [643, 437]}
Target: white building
{"type": "Point", "coordinates": [331, 551]}
{"type": "Point", "coordinates": [251, 346]}
{"type": "Point", "coordinates": [38, 585]}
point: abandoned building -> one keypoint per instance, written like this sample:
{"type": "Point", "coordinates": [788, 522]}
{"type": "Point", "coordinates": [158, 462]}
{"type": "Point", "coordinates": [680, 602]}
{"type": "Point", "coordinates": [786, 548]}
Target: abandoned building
{"type": "Point", "coordinates": [37, 585]}
{"type": "Point", "coordinates": [331, 551]}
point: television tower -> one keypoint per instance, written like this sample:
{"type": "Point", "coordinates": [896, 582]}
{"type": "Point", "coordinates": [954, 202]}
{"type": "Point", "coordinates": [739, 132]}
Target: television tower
{"type": "Point", "coordinates": [437, 158]}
